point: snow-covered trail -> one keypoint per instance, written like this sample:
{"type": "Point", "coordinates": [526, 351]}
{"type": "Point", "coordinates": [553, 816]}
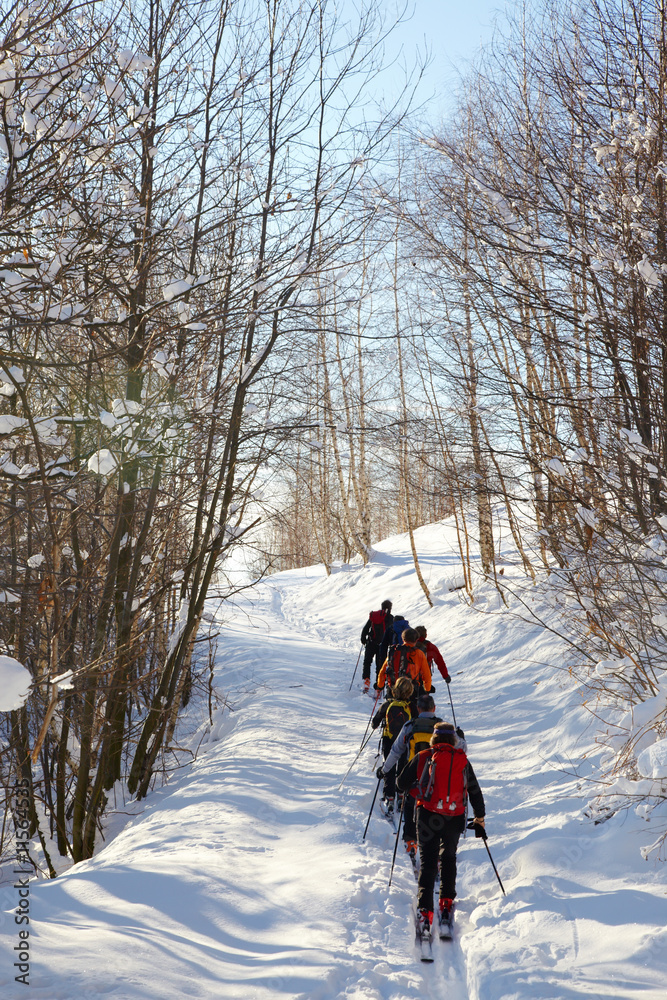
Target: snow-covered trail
{"type": "Point", "coordinates": [245, 877]}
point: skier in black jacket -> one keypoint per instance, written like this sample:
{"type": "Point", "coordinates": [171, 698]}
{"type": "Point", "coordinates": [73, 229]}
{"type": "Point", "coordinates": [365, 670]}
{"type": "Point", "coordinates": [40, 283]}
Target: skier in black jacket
{"type": "Point", "coordinates": [392, 715]}
{"type": "Point", "coordinates": [372, 635]}
{"type": "Point", "coordinates": [438, 831]}
{"type": "Point", "coordinates": [414, 735]}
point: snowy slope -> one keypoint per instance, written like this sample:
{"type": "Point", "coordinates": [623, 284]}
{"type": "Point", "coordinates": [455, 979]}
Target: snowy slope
{"type": "Point", "coordinates": [245, 877]}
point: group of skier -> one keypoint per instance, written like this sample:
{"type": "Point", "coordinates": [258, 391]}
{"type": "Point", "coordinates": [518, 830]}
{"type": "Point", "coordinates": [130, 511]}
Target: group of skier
{"type": "Point", "coordinates": [427, 776]}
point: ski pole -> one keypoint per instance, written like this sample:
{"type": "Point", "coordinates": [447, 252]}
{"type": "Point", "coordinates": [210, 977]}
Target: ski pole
{"type": "Point", "coordinates": [393, 860]}
{"type": "Point", "coordinates": [360, 751]}
{"type": "Point", "coordinates": [452, 704]}
{"type": "Point", "coordinates": [481, 832]}
{"type": "Point", "coordinates": [364, 742]}
{"type": "Point", "coordinates": [371, 715]}
{"type": "Point", "coordinates": [355, 670]}
{"type": "Point", "coordinates": [377, 789]}
{"type": "Point", "coordinates": [484, 838]}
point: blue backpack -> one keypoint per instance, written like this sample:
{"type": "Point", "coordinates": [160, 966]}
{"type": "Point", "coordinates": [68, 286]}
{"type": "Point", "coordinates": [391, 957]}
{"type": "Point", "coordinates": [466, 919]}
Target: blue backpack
{"type": "Point", "coordinates": [397, 629]}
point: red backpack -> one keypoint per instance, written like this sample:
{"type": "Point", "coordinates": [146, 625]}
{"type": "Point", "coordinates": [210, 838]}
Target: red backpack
{"type": "Point", "coordinates": [378, 621]}
{"type": "Point", "coordinates": [442, 780]}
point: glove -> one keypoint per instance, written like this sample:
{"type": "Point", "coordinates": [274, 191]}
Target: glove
{"type": "Point", "coordinates": [432, 691]}
{"type": "Point", "coordinates": [375, 687]}
{"type": "Point", "coordinates": [460, 733]}
{"type": "Point", "coordinates": [448, 679]}
{"type": "Point", "coordinates": [379, 773]}
{"type": "Point", "coordinates": [480, 832]}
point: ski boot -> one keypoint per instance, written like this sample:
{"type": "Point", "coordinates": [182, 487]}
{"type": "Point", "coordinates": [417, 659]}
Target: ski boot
{"type": "Point", "coordinates": [445, 918]}
{"type": "Point", "coordinates": [424, 919]}
{"type": "Point", "coordinates": [411, 849]}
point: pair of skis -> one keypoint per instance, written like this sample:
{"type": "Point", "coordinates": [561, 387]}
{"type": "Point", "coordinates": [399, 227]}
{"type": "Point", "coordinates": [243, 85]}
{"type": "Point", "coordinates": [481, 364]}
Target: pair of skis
{"type": "Point", "coordinates": [425, 934]}
{"type": "Point", "coordinates": [445, 922]}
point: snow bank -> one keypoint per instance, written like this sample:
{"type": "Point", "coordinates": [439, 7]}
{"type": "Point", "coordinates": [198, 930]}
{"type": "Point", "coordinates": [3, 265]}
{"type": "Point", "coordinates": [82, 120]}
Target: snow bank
{"type": "Point", "coordinates": [15, 683]}
{"type": "Point", "coordinates": [652, 762]}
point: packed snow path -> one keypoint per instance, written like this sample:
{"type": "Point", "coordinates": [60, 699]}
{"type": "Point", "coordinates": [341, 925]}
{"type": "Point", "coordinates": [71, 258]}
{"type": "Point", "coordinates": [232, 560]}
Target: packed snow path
{"type": "Point", "coordinates": [245, 877]}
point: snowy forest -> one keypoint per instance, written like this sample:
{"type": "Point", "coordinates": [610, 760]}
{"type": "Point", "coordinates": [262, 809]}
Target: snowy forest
{"type": "Point", "coordinates": [254, 321]}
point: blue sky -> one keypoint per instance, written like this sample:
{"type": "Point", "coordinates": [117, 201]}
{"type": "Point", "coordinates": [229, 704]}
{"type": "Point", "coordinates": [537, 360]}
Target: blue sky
{"type": "Point", "coordinates": [453, 31]}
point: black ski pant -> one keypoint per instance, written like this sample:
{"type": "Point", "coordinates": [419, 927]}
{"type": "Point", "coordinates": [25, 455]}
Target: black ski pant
{"type": "Point", "coordinates": [372, 649]}
{"type": "Point", "coordinates": [390, 778]}
{"type": "Point", "coordinates": [438, 838]}
{"type": "Point", "coordinates": [409, 829]}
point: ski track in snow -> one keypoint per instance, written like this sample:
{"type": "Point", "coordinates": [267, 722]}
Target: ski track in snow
{"type": "Point", "coordinates": [246, 877]}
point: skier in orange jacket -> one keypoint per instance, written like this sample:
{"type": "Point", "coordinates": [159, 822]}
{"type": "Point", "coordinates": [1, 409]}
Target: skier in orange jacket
{"type": "Point", "coordinates": [406, 661]}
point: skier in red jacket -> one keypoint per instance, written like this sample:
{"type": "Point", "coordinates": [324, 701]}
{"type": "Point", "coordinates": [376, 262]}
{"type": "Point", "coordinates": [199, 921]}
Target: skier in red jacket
{"type": "Point", "coordinates": [433, 654]}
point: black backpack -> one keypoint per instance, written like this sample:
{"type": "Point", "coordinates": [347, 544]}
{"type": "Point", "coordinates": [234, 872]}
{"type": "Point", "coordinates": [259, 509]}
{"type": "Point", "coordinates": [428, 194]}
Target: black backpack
{"type": "Point", "coordinates": [402, 664]}
{"type": "Point", "coordinates": [420, 735]}
{"type": "Point", "coordinates": [398, 713]}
